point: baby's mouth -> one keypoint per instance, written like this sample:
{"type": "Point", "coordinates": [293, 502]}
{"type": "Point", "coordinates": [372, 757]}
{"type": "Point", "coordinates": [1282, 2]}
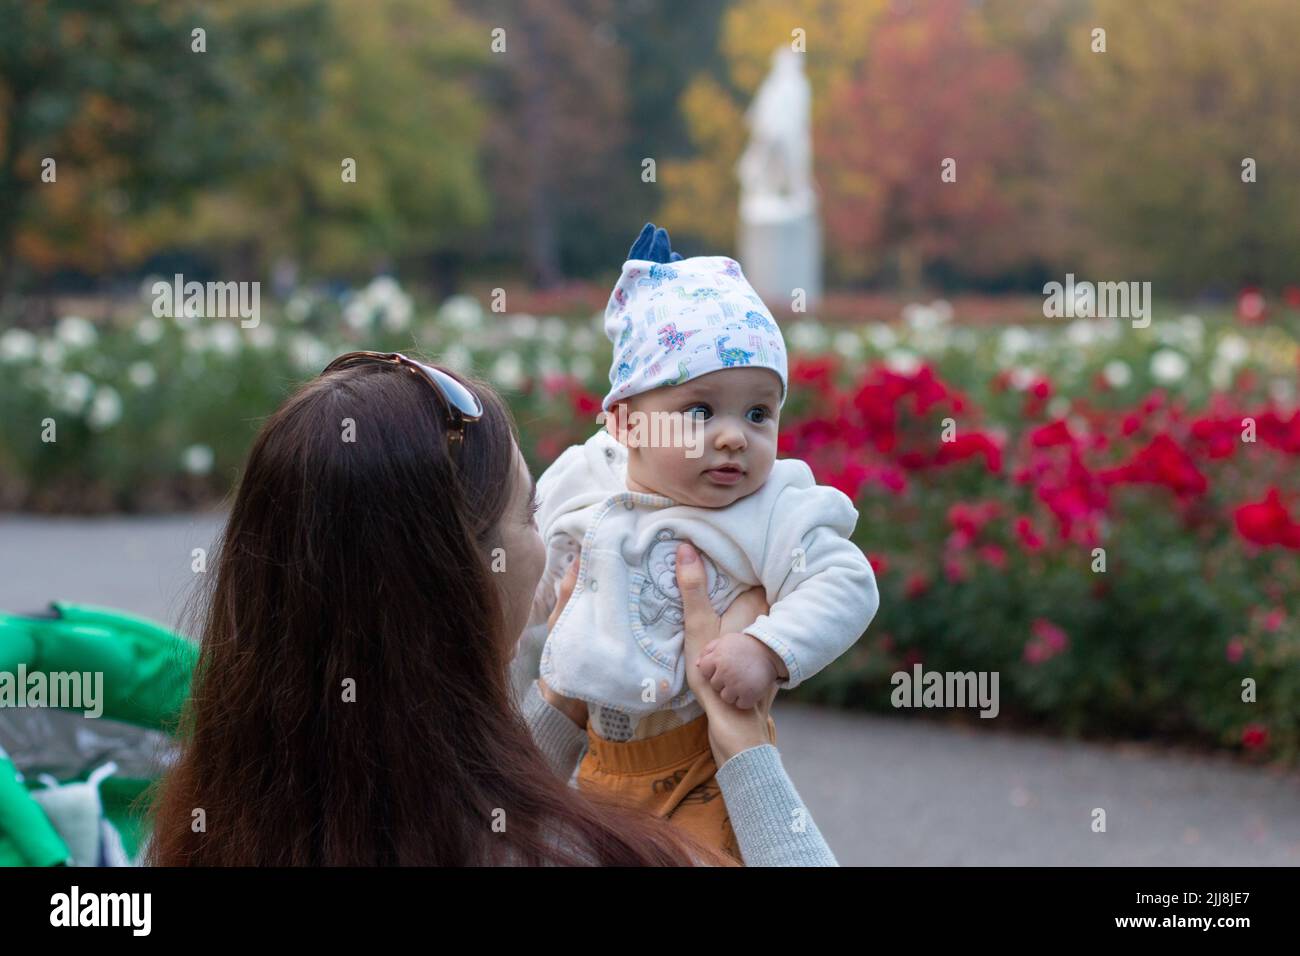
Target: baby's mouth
{"type": "Point", "coordinates": [725, 474]}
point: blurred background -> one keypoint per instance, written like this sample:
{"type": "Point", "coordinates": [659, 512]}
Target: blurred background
{"type": "Point", "coordinates": [1116, 527]}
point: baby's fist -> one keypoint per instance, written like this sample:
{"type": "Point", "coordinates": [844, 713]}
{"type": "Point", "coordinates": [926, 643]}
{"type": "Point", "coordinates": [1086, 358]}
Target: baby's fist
{"type": "Point", "coordinates": [740, 668]}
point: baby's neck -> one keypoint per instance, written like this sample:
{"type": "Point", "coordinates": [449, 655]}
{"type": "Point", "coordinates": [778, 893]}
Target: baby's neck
{"type": "Point", "coordinates": [634, 485]}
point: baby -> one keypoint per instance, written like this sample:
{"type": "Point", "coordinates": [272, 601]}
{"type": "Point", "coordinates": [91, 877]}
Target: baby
{"type": "Point", "coordinates": [688, 453]}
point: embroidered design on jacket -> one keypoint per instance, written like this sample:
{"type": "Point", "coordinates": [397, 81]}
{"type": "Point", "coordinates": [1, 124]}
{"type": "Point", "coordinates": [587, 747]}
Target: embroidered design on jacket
{"type": "Point", "coordinates": [660, 598]}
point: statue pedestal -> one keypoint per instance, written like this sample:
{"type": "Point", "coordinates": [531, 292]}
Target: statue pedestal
{"type": "Point", "coordinates": [782, 253]}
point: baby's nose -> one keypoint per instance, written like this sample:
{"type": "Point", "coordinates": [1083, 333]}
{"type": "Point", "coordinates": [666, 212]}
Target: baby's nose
{"type": "Point", "coordinates": [730, 436]}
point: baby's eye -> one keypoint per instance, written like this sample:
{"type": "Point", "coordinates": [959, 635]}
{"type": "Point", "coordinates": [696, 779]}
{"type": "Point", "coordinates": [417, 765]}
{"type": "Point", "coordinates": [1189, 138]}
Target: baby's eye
{"type": "Point", "coordinates": [761, 413]}
{"type": "Point", "coordinates": [699, 410]}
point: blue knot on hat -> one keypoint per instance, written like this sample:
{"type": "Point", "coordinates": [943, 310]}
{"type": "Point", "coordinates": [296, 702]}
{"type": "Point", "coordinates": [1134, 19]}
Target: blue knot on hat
{"type": "Point", "coordinates": [653, 246]}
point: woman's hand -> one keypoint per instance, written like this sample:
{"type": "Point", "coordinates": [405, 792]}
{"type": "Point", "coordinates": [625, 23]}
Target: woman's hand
{"type": "Point", "coordinates": [731, 729]}
{"type": "Point", "coordinates": [575, 710]}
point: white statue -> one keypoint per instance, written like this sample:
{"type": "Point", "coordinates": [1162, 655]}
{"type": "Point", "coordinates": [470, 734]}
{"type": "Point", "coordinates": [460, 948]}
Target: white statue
{"type": "Point", "coordinates": [780, 236]}
{"type": "Point", "coordinates": [775, 170]}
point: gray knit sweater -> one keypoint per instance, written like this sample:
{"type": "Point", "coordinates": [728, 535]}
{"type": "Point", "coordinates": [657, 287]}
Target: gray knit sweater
{"type": "Point", "coordinates": [772, 825]}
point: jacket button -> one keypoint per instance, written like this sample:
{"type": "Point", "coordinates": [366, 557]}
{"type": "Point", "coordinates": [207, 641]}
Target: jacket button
{"type": "Point", "coordinates": [609, 453]}
{"type": "Point", "coordinates": [591, 585]}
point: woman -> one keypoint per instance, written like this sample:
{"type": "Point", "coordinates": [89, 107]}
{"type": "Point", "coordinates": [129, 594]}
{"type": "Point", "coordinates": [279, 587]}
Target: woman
{"type": "Point", "coordinates": [352, 704]}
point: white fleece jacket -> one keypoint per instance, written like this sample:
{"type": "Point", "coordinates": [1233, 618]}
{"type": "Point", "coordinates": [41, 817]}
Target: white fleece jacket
{"type": "Point", "coordinates": [618, 642]}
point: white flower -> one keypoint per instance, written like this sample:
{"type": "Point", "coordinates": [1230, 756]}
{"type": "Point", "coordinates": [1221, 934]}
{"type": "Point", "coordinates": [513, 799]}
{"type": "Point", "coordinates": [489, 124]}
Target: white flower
{"type": "Point", "coordinates": [902, 361]}
{"type": "Point", "coordinates": [848, 344]}
{"type": "Point", "coordinates": [522, 326]}
{"type": "Point", "coordinates": [149, 330]}
{"type": "Point", "coordinates": [1015, 341]}
{"type": "Point", "coordinates": [197, 459]}
{"type": "Point", "coordinates": [1168, 366]}
{"type": "Point", "coordinates": [1117, 373]}
{"type": "Point", "coordinates": [1220, 374]}
{"type": "Point", "coordinates": [357, 313]}
{"type": "Point", "coordinates": [942, 309]}
{"type": "Point", "coordinates": [554, 330]}
{"type": "Point", "coordinates": [1021, 377]}
{"type": "Point", "coordinates": [583, 340]}
{"type": "Point", "coordinates": [73, 391]}
{"type": "Point", "coordinates": [17, 345]}
{"type": "Point", "coordinates": [397, 313]}
{"type": "Point", "coordinates": [461, 312]}
{"type": "Point", "coordinates": [881, 336]}
{"type": "Point", "coordinates": [383, 290]}
{"type": "Point", "coordinates": [1058, 407]}
{"type": "Point", "coordinates": [806, 336]}
{"type": "Point", "coordinates": [1081, 332]}
{"type": "Point", "coordinates": [1282, 391]}
{"type": "Point", "coordinates": [1109, 328]}
{"type": "Point", "coordinates": [920, 318]}
{"type": "Point", "coordinates": [52, 353]}
{"type": "Point", "coordinates": [224, 338]}
{"type": "Point", "coordinates": [262, 336]}
{"type": "Point", "coordinates": [194, 340]}
{"type": "Point", "coordinates": [141, 374]}
{"type": "Point", "coordinates": [548, 364]}
{"type": "Point", "coordinates": [1232, 350]}
{"type": "Point", "coordinates": [297, 308]}
{"type": "Point", "coordinates": [507, 371]}
{"type": "Point", "coordinates": [105, 409]}
{"type": "Point", "coordinates": [581, 367]}
{"type": "Point", "coordinates": [308, 353]}
{"type": "Point", "coordinates": [457, 358]}
{"type": "Point", "coordinates": [75, 332]}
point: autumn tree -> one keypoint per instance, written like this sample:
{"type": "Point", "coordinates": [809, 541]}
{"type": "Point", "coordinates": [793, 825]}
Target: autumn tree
{"type": "Point", "coordinates": [556, 94]}
{"type": "Point", "coordinates": [1181, 142]}
{"type": "Point", "coordinates": [921, 144]}
{"type": "Point", "coordinates": [110, 110]}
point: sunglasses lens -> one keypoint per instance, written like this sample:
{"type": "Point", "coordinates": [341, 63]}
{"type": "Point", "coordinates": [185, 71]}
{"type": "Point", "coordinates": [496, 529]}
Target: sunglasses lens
{"type": "Point", "coordinates": [465, 401]}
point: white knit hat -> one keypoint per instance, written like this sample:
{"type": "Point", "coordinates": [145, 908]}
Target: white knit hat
{"type": "Point", "coordinates": [674, 321]}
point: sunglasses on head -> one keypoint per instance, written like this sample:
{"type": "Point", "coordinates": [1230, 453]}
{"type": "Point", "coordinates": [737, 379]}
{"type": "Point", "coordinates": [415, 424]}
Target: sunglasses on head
{"type": "Point", "coordinates": [462, 404]}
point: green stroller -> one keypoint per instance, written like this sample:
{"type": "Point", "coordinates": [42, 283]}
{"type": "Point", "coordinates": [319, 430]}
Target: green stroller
{"type": "Point", "coordinates": [71, 779]}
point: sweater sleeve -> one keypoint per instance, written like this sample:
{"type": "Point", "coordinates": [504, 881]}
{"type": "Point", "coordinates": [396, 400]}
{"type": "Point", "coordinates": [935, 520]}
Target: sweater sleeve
{"type": "Point", "coordinates": [559, 739]}
{"type": "Point", "coordinates": [771, 824]}
{"type": "Point", "coordinates": [819, 584]}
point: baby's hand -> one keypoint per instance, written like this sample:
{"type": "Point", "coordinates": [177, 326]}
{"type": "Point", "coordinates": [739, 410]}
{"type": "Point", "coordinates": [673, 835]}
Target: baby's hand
{"type": "Point", "coordinates": [741, 668]}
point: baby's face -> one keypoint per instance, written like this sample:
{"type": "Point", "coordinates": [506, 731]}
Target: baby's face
{"type": "Point", "coordinates": [729, 418]}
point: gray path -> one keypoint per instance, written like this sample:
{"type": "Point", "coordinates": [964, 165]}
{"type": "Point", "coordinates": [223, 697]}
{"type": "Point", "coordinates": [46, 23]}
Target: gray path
{"type": "Point", "coordinates": [890, 791]}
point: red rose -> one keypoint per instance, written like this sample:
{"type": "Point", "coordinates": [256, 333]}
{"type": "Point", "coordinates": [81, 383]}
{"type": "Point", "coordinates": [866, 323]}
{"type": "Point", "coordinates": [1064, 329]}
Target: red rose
{"type": "Point", "coordinates": [1029, 538]}
{"type": "Point", "coordinates": [916, 585]}
{"type": "Point", "coordinates": [1054, 433]}
{"type": "Point", "coordinates": [1267, 522]}
{"type": "Point", "coordinates": [1254, 736]}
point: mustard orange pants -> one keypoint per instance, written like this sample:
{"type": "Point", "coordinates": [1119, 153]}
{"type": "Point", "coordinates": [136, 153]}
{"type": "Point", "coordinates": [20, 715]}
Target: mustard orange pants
{"type": "Point", "coordinates": [672, 775]}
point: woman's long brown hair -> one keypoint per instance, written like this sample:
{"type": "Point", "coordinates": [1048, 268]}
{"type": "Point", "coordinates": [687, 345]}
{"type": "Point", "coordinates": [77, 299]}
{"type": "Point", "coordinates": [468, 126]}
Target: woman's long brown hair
{"type": "Point", "coordinates": [360, 569]}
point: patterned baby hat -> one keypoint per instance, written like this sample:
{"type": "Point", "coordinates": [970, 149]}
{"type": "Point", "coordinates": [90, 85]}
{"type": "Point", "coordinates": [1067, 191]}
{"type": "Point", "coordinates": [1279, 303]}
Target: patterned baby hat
{"type": "Point", "coordinates": [673, 319]}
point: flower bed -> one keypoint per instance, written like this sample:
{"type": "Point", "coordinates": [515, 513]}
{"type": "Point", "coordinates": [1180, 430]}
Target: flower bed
{"type": "Point", "coordinates": [1166, 455]}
